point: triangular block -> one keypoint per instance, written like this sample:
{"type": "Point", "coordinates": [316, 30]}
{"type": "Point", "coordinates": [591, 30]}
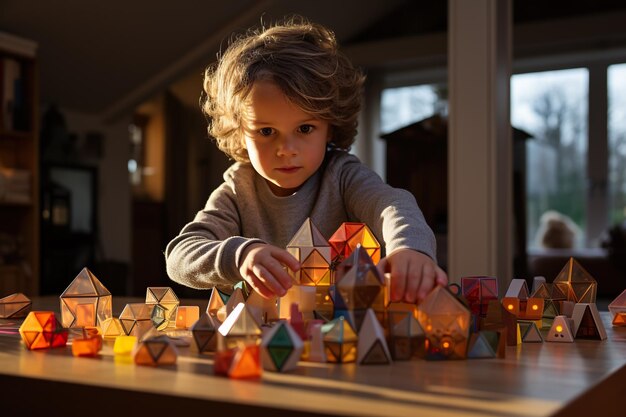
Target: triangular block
{"type": "Point", "coordinates": [479, 347]}
{"type": "Point", "coordinates": [561, 330]}
{"type": "Point", "coordinates": [529, 332]}
{"type": "Point", "coordinates": [587, 322]}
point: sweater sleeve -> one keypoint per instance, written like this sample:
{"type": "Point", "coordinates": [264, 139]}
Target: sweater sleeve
{"type": "Point", "coordinates": [207, 251]}
{"type": "Point", "coordinates": [391, 213]}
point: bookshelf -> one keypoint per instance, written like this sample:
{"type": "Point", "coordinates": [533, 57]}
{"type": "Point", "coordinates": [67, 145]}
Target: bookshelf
{"type": "Point", "coordinates": [19, 167]}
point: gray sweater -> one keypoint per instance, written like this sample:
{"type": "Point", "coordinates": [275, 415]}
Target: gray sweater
{"type": "Point", "coordinates": [244, 210]}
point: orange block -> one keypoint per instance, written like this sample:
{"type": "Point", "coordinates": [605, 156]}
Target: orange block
{"type": "Point", "coordinates": [243, 361]}
{"type": "Point", "coordinates": [187, 316]}
{"type": "Point", "coordinates": [88, 346]}
{"type": "Point", "coordinates": [42, 330]}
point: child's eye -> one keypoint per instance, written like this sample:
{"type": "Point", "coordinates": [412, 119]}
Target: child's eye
{"type": "Point", "coordinates": [266, 131]}
{"type": "Point", "coordinates": [306, 129]}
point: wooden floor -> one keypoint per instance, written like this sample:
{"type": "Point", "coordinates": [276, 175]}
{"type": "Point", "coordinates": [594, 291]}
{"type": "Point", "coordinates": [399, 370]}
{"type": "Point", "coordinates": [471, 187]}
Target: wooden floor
{"type": "Point", "coordinates": [547, 379]}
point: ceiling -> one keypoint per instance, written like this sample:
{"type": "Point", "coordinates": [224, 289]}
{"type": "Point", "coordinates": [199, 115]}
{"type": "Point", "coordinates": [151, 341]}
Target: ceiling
{"type": "Point", "coordinates": [105, 58]}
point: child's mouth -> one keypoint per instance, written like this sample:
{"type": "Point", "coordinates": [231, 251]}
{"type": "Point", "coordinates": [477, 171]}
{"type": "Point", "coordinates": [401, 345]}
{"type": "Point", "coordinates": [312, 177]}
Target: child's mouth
{"type": "Point", "coordinates": [288, 170]}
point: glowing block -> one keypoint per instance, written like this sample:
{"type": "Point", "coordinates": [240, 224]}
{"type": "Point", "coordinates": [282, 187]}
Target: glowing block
{"type": "Point", "coordinates": [203, 333]}
{"type": "Point", "coordinates": [281, 348]}
{"type": "Point", "coordinates": [217, 300]}
{"type": "Point", "coordinates": [304, 297]}
{"type": "Point", "coordinates": [340, 341]}
{"type": "Point", "coordinates": [446, 322]}
{"type": "Point", "coordinates": [313, 252]}
{"type": "Point", "coordinates": [187, 316]}
{"type": "Point", "coordinates": [111, 328]}
{"type": "Point", "coordinates": [240, 361]}
{"type": "Point", "coordinates": [478, 291]}
{"type": "Point", "coordinates": [617, 308]}
{"type": "Point", "coordinates": [529, 332]}
{"type": "Point", "coordinates": [42, 330]}
{"type": "Point", "coordinates": [124, 345]}
{"type": "Point", "coordinates": [576, 283]}
{"type": "Point", "coordinates": [619, 319]}
{"type": "Point", "coordinates": [264, 310]}
{"type": "Point", "coordinates": [240, 327]}
{"type": "Point", "coordinates": [498, 317]}
{"type": "Point", "coordinates": [85, 302]}
{"type": "Point", "coordinates": [348, 236]}
{"type": "Point", "coordinates": [165, 298]}
{"type": "Point", "coordinates": [316, 351]}
{"type": "Point", "coordinates": [532, 309]}
{"type": "Point", "coordinates": [512, 305]}
{"type": "Point", "coordinates": [372, 347]}
{"type": "Point", "coordinates": [88, 345]}
{"type": "Point", "coordinates": [561, 330]}
{"type": "Point", "coordinates": [587, 322]}
{"type": "Point", "coordinates": [155, 351]}
{"type": "Point", "coordinates": [324, 303]}
{"type": "Point", "coordinates": [14, 306]}
{"type": "Point", "coordinates": [517, 289]}
{"type": "Point", "coordinates": [136, 319]}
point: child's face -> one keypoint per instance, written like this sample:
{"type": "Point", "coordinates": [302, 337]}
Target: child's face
{"type": "Point", "coordinates": [285, 145]}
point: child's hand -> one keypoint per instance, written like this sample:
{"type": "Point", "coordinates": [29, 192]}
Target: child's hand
{"type": "Point", "coordinates": [413, 275]}
{"type": "Point", "coordinates": [262, 267]}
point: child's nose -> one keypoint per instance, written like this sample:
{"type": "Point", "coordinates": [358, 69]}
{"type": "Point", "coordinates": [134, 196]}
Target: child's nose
{"type": "Point", "coordinates": [287, 146]}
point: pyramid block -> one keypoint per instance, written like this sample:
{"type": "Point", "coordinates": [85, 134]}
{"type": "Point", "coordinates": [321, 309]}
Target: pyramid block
{"type": "Point", "coordinates": [517, 289]}
{"type": "Point", "coordinates": [530, 332]}
{"type": "Point", "coordinates": [239, 362]}
{"type": "Point", "coordinates": [234, 300]}
{"type": "Point", "coordinates": [445, 321]}
{"type": "Point", "coordinates": [217, 300]}
{"type": "Point", "coordinates": [155, 351]}
{"type": "Point", "coordinates": [240, 327]}
{"type": "Point", "coordinates": [313, 252]}
{"type": "Point", "coordinates": [42, 330]}
{"type": "Point", "coordinates": [136, 319]}
{"type": "Point", "coordinates": [165, 298]}
{"type": "Point", "coordinates": [85, 302]}
{"type": "Point", "coordinates": [281, 348]}
{"type": "Point", "coordinates": [203, 334]}
{"type": "Point", "coordinates": [14, 306]}
{"type": "Point", "coordinates": [111, 328]}
{"type": "Point", "coordinates": [561, 330]}
{"type": "Point", "coordinates": [348, 236]}
{"type": "Point", "coordinates": [372, 347]}
{"type": "Point", "coordinates": [576, 283]}
{"type": "Point", "coordinates": [619, 319]}
{"type": "Point", "coordinates": [537, 282]}
{"type": "Point", "coordinates": [587, 322]}
{"type": "Point", "coordinates": [617, 307]}
{"type": "Point", "coordinates": [486, 344]}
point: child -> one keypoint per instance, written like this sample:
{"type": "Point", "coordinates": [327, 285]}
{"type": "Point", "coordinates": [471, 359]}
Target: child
{"type": "Point", "coordinates": [283, 102]}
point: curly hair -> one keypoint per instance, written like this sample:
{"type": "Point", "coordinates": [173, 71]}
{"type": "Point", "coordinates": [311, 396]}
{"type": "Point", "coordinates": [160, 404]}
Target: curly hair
{"type": "Point", "coordinates": [304, 61]}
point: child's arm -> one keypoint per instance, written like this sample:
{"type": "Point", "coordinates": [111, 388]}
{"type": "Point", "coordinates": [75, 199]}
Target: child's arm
{"type": "Point", "coordinates": [413, 275]}
{"type": "Point", "coordinates": [263, 267]}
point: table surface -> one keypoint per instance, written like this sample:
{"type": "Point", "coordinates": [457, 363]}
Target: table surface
{"type": "Point", "coordinates": [538, 379]}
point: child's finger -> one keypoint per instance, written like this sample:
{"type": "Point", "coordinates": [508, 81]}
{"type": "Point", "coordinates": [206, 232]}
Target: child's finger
{"type": "Point", "coordinates": [286, 258]}
{"type": "Point", "coordinates": [268, 280]}
{"type": "Point", "coordinates": [258, 286]}
{"type": "Point", "coordinates": [428, 281]}
{"type": "Point", "coordinates": [276, 269]}
{"type": "Point", "coordinates": [441, 277]}
{"type": "Point", "coordinates": [413, 279]}
{"type": "Point", "coordinates": [398, 281]}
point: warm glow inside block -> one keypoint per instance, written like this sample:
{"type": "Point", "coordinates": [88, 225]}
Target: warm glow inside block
{"type": "Point", "coordinates": [111, 328]}
{"type": "Point", "coordinates": [618, 305]}
{"type": "Point", "coordinates": [217, 300]}
{"type": "Point", "coordinates": [124, 345]}
{"type": "Point", "coordinates": [619, 319]}
{"type": "Point", "coordinates": [303, 296]}
{"type": "Point", "coordinates": [241, 361]}
{"type": "Point", "coordinates": [155, 351]}
{"type": "Point", "coordinates": [42, 330]}
{"type": "Point", "coordinates": [167, 299]}
{"type": "Point", "coordinates": [313, 252]}
{"type": "Point", "coordinates": [85, 302]}
{"type": "Point", "coordinates": [239, 327]}
{"type": "Point", "coordinates": [340, 341]}
{"type": "Point", "coordinates": [576, 283]}
{"type": "Point", "coordinates": [187, 316]}
{"type": "Point", "coordinates": [348, 236]}
{"type": "Point", "coordinates": [14, 306]}
{"type": "Point", "coordinates": [561, 330]}
{"type": "Point", "coordinates": [512, 305]}
{"type": "Point", "coordinates": [87, 346]}
{"type": "Point", "coordinates": [533, 309]}
{"type": "Point", "coordinates": [136, 319]}
{"type": "Point", "coordinates": [446, 323]}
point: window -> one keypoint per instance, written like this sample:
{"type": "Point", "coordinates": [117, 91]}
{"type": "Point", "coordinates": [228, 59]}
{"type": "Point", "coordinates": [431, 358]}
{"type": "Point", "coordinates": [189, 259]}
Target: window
{"type": "Point", "coordinates": [617, 142]}
{"type": "Point", "coordinates": [552, 107]}
{"type": "Point", "coordinates": [405, 105]}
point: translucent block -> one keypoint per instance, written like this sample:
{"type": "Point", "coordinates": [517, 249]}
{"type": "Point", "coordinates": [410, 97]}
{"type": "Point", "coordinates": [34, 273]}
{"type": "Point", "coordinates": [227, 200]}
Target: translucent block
{"type": "Point", "coordinates": [619, 319]}
{"type": "Point", "coordinates": [155, 351]}
{"type": "Point", "coordinates": [281, 348]}
{"type": "Point", "coordinates": [576, 283]}
{"type": "Point", "coordinates": [486, 344]}
{"type": "Point", "coordinates": [187, 316]}
{"type": "Point", "coordinates": [372, 346]}
{"type": "Point", "coordinates": [264, 310]}
{"type": "Point", "coordinates": [478, 291]}
{"type": "Point", "coordinates": [618, 305]}
{"type": "Point", "coordinates": [348, 236]}
{"type": "Point", "coordinates": [313, 252]}
{"type": "Point", "coordinates": [498, 317]}
{"type": "Point", "coordinates": [340, 341]}
{"type": "Point", "coordinates": [14, 306]}
{"type": "Point", "coordinates": [124, 345]}
{"type": "Point", "coordinates": [136, 319]}
{"type": "Point", "coordinates": [203, 334]}
{"type": "Point", "coordinates": [446, 323]}
{"type": "Point", "coordinates": [85, 302]}
{"type": "Point", "coordinates": [239, 327]}
{"type": "Point", "coordinates": [167, 299]}
{"type": "Point", "coordinates": [87, 346]}
{"type": "Point", "coordinates": [111, 328]}
{"type": "Point", "coordinates": [517, 289]}
{"type": "Point", "coordinates": [532, 309]}
{"type": "Point", "coordinates": [241, 361]}
{"type": "Point", "coordinates": [42, 330]}
{"type": "Point", "coordinates": [303, 296]}
{"type": "Point", "coordinates": [217, 300]}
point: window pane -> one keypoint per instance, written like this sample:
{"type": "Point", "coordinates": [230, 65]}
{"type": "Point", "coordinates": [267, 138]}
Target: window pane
{"type": "Point", "coordinates": [405, 105]}
{"type": "Point", "coordinates": [552, 107]}
{"type": "Point", "coordinates": [617, 142]}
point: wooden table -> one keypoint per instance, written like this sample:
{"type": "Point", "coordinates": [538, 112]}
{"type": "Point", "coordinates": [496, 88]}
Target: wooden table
{"type": "Point", "coordinates": [547, 379]}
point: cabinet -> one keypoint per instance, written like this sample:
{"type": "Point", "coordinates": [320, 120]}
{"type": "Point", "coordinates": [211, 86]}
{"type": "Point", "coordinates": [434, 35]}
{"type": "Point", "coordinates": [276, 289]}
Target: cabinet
{"type": "Point", "coordinates": [19, 167]}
